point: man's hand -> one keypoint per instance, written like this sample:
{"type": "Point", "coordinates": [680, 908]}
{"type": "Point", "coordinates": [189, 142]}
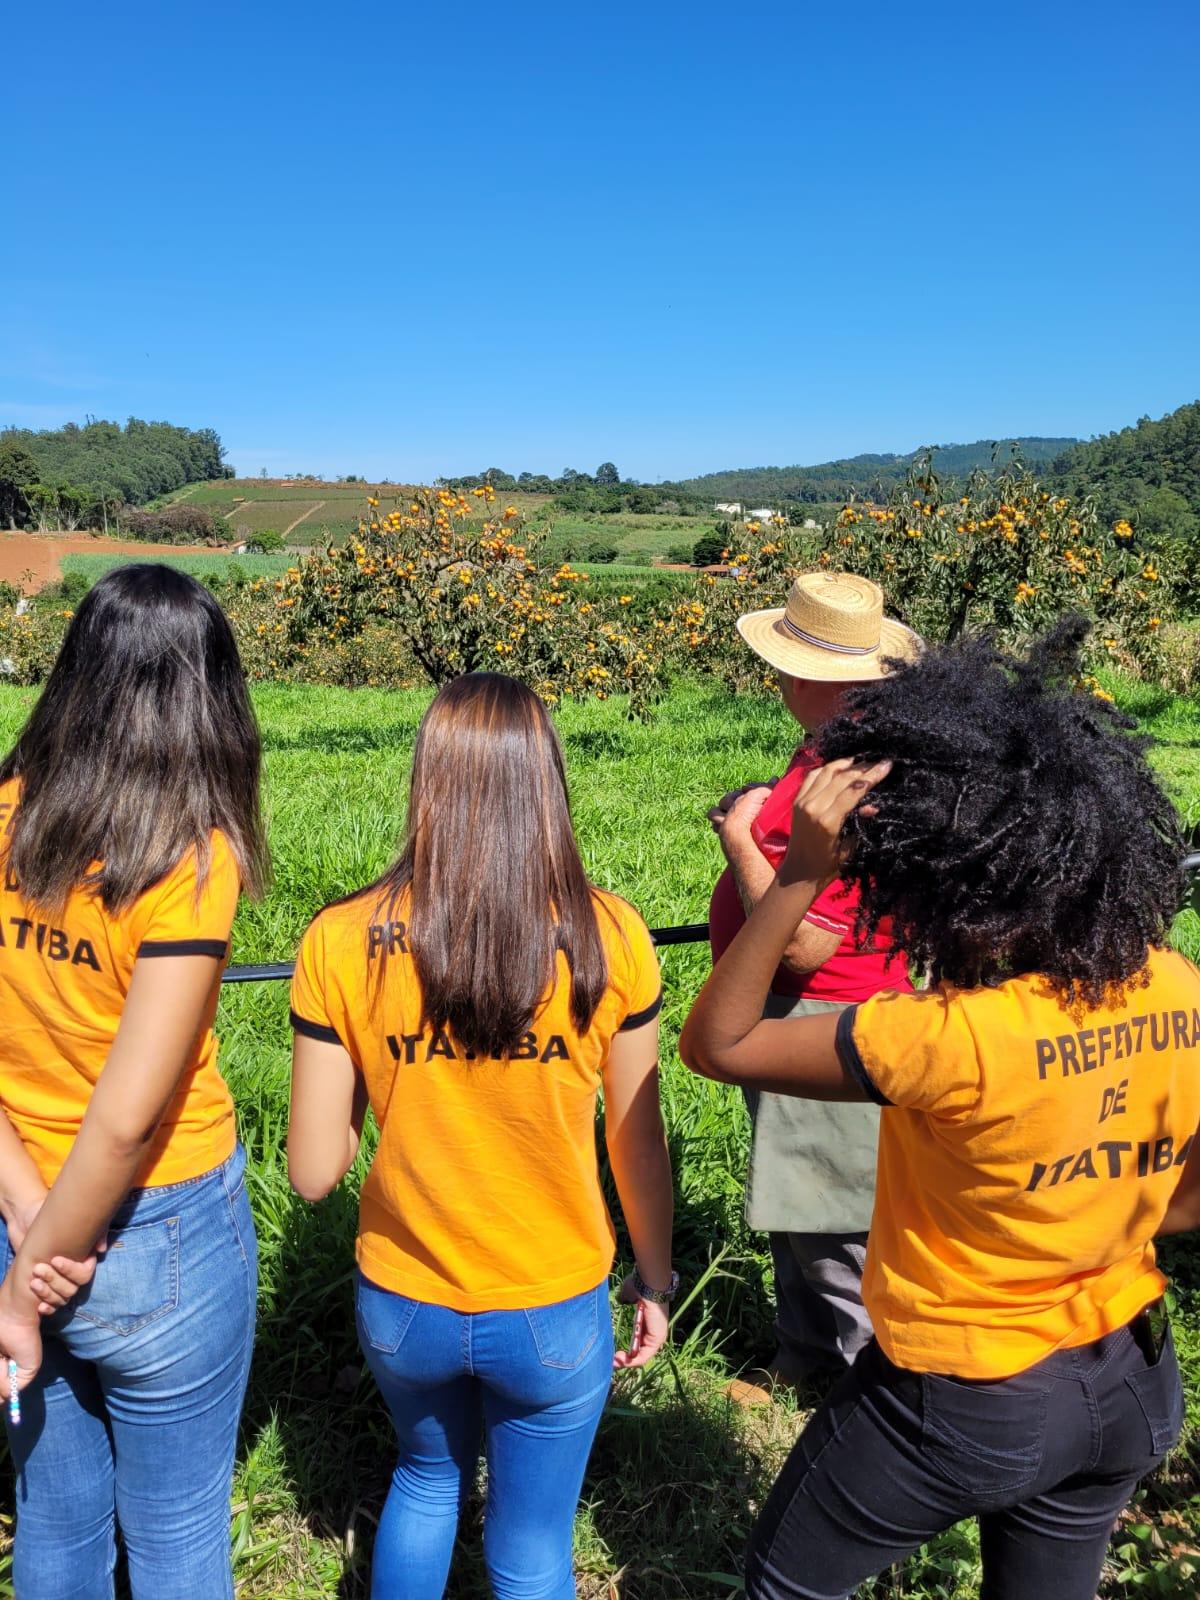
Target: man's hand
{"type": "Point", "coordinates": [733, 818]}
{"type": "Point", "coordinates": [828, 796]}
{"type": "Point", "coordinates": [718, 815]}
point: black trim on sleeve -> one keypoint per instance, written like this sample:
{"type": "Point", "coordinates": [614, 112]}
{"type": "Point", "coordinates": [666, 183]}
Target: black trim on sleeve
{"type": "Point", "coordinates": [314, 1030]}
{"type": "Point", "coordinates": [218, 949]}
{"type": "Point", "coordinates": [636, 1019]}
{"type": "Point", "coordinates": [848, 1055]}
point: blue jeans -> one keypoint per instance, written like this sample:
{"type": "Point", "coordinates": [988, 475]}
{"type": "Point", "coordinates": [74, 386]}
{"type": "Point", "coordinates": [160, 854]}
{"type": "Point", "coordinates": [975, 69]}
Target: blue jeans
{"type": "Point", "coordinates": [134, 1415]}
{"type": "Point", "coordinates": [535, 1382]}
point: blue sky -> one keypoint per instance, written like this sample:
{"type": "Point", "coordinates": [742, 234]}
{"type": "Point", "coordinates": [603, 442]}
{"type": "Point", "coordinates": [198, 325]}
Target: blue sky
{"type": "Point", "coordinates": [412, 240]}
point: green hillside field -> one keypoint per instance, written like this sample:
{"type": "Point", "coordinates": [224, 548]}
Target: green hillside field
{"type": "Point", "coordinates": [317, 513]}
{"type": "Point", "coordinates": [313, 512]}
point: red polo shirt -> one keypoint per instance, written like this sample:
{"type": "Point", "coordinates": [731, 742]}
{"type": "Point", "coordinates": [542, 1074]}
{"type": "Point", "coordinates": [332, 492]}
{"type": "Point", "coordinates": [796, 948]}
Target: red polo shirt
{"type": "Point", "coordinates": [854, 972]}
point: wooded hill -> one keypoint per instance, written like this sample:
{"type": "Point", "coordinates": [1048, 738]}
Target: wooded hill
{"type": "Point", "coordinates": [81, 476]}
{"type": "Point", "coordinates": [865, 474]}
{"type": "Point", "coordinates": [1149, 474]}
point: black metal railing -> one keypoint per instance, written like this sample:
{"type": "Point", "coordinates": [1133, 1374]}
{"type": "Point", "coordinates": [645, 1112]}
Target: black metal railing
{"type": "Point", "coordinates": [685, 933]}
{"type": "Point", "coordinates": [269, 971]}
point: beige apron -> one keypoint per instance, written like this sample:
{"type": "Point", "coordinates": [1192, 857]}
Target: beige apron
{"type": "Point", "coordinates": [812, 1162]}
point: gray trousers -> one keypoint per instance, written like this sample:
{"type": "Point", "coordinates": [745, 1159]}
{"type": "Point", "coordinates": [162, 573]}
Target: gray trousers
{"type": "Point", "coordinates": [811, 1188]}
{"type": "Point", "coordinates": [820, 1321]}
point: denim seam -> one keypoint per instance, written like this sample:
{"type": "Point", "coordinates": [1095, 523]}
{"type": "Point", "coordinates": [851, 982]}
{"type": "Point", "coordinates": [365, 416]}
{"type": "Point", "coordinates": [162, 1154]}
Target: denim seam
{"type": "Point", "coordinates": [1097, 1421]}
{"type": "Point", "coordinates": [1164, 1432]}
{"type": "Point", "coordinates": [802, 1488]}
{"type": "Point", "coordinates": [400, 1322]}
{"type": "Point", "coordinates": [565, 1366]}
{"type": "Point", "coordinates": [230, 1198]}
{"type": "Point", "coordinates": [1119, 1347]}
{"type": "Point", "coordinates": [187, 1183]}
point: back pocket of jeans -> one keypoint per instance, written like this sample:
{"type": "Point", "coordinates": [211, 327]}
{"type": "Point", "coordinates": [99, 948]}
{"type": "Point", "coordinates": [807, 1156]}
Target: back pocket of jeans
{"type": "Point", "coordinates": [136, 1279]}
{"type": "Point", "coordinates": [566, 1332]}
{"type": "Point", "coordinates": [1159, 1393]}
{"type": "Point", "coordinates": [383, 1317]}
{"type": "Point", "coordinates": [987, 1438]}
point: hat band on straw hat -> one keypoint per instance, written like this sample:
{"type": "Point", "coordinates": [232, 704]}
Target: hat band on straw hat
{"type": "Point", "coordinates": [828, 644]}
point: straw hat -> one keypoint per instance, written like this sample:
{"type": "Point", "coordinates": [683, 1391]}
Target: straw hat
{"type": "Point", "coordinates": [832, 630]}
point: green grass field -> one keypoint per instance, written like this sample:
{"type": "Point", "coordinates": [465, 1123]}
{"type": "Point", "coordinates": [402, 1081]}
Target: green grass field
{"type": "Point", "coordinates": [629, 533]}
{"type": "Point", "coordinates": [678, 1471]}
{"type": "Point", "coordinates": [204, 564]}
{"type": "Point", "coordinates": [651, 585]}
{"type": "Point", "coordinates": [604, 577]}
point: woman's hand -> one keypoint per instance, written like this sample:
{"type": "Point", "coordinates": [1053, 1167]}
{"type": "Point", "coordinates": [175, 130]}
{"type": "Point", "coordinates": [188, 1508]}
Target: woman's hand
{"type": "Point", "coordinates": [20, 1340]}
{"type": "Point", "coordinates": [56, 1281]}
{"type": "Point", "coordinates": [828, 796]}
{"type": "Point", "coordinates": [18, 1219]}
{"type": "Point", "coordinates": [650, 1326]}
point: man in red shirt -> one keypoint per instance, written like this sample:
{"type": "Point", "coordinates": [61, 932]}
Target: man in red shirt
{"type": "Point", "coordinates": [811, 1183]}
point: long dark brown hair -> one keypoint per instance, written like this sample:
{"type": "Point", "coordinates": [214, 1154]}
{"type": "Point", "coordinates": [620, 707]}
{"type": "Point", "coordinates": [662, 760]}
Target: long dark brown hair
{"type": "Point", "coordinates": [490, 869]}
{"type": "Point", "coordinates": [142, 742]}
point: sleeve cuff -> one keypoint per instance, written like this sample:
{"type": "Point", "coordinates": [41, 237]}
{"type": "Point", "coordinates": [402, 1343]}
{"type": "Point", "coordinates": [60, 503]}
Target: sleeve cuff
{"type": "Point", "coordinates": [218, 949]}
{"type": "Point", "coordinates": [852, 1061]}
{"type": "Point", "coordinates": [637, 1019]}
{"type": "Point", "coordinates": [314, 1030]}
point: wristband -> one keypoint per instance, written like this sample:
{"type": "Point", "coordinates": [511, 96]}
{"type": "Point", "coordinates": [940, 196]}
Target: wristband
{"type": "Point", "coordinates": [657, 1297]}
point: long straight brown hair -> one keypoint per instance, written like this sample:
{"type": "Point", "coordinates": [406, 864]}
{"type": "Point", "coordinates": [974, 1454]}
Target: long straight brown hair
{"type": "Point", "coordinates": [142, 742]}
{"type": "Point", "coordinates": [490, 868]}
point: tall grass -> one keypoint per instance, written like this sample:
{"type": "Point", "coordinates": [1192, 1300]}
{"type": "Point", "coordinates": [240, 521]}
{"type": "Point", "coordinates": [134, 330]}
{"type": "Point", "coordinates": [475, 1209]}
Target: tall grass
{"type": "Point", "coordinates": [678, 1470]}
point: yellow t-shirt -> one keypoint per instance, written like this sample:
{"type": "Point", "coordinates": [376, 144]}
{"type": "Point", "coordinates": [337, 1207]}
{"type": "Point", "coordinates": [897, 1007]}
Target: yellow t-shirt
{"type": "Point", "coordinates": [1026, 1160]}
{"type": "Point", "coordinates": [484, 1194]}
{"type": "Point", "coordinates": [63, 983]}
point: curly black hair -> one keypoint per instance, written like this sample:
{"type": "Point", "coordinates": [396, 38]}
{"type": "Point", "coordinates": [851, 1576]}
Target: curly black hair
{"type": "Point", "coordinates": [1021, 829]}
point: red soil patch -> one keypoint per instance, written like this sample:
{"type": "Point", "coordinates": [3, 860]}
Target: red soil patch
{"type": "Point", "coordinates": [31, 560]}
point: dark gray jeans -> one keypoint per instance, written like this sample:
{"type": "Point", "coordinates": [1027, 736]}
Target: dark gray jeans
{"type": "Point", "coordinates": [1045, 1460]}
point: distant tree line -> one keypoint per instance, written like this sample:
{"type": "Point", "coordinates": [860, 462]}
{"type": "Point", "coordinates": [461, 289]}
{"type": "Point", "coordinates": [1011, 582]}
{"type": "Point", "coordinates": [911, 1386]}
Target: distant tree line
{"type": "Point", "coordinates": [603, 490]}
{"type": "Point", "coordinates": [605, 476]}
{"type": "Point", "coordinates": [89, 476]}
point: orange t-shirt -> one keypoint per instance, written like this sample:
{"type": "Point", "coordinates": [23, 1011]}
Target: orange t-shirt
{"type": "Point", "coordinates": [1026, 1158]}
{"type": "Point", "coordinates": [63, 983]}
{"type": "Point", "coordinates": [484, 1194]}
